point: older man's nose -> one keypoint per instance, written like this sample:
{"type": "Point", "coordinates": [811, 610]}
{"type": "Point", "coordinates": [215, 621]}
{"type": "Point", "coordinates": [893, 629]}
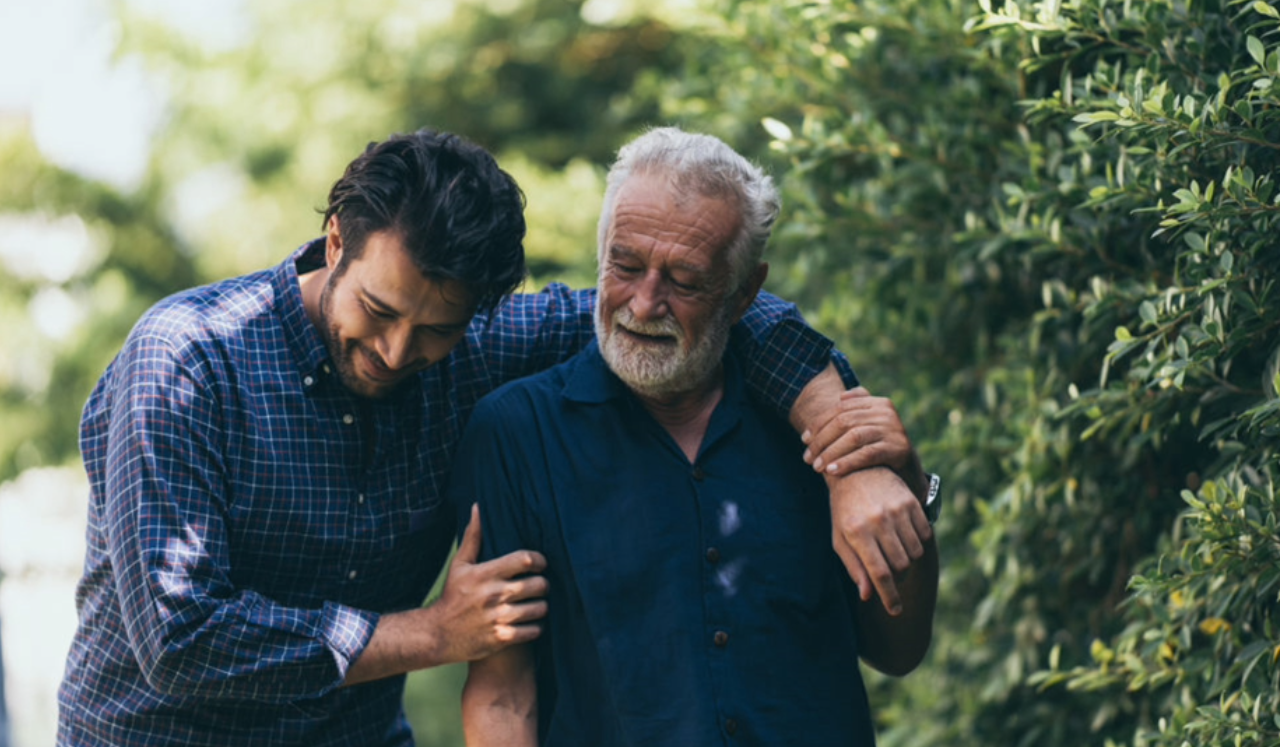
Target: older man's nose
{"type": "Point", "coordinates": [650, 299]}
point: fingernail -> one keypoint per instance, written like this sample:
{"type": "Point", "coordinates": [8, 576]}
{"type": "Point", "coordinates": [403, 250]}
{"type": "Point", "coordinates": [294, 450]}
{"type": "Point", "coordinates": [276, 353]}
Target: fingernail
{"type": "Point", "coordinates": [817, 464]}
{"type": "Point", "coordinates": [806, 436]}
{"type": "Point", "coordinates": [807, 456]}
{"type": "Point", "coordinates": [833, 467]}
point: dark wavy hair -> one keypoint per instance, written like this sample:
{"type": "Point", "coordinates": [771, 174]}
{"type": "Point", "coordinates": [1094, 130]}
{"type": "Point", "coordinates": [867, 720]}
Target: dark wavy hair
{"type": "Point", "coordinates": [461, 218]}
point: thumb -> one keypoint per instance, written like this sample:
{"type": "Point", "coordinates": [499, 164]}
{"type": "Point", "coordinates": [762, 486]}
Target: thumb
{"type": "Point", "coordinates": [469, 547]}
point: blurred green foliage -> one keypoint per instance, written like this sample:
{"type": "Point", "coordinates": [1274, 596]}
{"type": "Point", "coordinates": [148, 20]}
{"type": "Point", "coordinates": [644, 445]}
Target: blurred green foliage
{"type": "Point", "coordinates": [1046, 229]}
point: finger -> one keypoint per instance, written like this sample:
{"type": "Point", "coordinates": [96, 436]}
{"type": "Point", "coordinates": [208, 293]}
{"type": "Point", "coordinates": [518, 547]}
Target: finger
{"type": "Point", "coordinates": [528, 587]}
{"type": "Point", "coordinates": [882, 580]}
{"type": "Point", "coordinates": [924, 530]}
{"type": "Point", "coordinates": [513, 564]}
{"type": "Point", "coordinates": [511, 635]}
{"type": "Point", "coordinates": [523, 612]}
{"type": "Point", "coordinates": [820, 440]}
{"type": "Point", "coordinates": [894, 549]}
{"type": "Point", "coordinates": [855, 393]}
{"type": "Point", "coordinates": [912, 543]}
{"type": "Point", "coordinates": [857, 572]}
{"type": "Point", "coordinates": [469, 547]}
{"type": "Point", "coordinates": [851, 450]}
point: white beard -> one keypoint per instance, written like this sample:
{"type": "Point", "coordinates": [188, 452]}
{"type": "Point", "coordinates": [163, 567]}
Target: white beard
{"type": "Point", "coordinates": [660, 369]}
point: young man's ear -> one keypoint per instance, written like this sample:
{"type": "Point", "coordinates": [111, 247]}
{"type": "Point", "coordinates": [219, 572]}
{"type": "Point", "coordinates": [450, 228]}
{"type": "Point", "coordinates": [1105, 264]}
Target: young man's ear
{"type": "Point", "coordinates": [750, 289]}
{"type": "Point", "coordinates": [332, 244]}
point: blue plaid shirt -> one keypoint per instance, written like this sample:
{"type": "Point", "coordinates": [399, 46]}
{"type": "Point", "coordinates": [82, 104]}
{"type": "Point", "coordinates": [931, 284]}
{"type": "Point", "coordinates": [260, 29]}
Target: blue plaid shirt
{"type": "Point", "coordinates": [250, 518]}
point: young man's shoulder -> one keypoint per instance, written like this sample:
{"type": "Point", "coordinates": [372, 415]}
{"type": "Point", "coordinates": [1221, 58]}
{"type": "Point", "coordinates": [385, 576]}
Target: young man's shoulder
{"type": "Point", "coordinates": [206, 313]}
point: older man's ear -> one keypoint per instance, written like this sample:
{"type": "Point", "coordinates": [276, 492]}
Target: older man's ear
{"type": "Point", "coordinates": [750, 288]}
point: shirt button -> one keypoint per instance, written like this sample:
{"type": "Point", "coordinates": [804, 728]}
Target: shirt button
{"type": "Point", "coordinates": [721, 638]}
{"type": "Point", "coordinates": [352, 575]}
{"type": "Point", "coordinates": [360, 499]}
{"type": "Point", "coordinates": [308, 380]}
{"type": "Point", "coordinates": [730, 726]}
{"type": "Point", "coordinates": [348, 418]}
{"type": "Point", "coordinates": [713, 555]}
{"type": "Point", "coordinates": [698, 474]}
{"type": "Point", "coordinates": [325, 368]}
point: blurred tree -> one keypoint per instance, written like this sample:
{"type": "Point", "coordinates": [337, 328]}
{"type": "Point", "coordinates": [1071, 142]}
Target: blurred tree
{"type": "Point", "coordinates": [66, 310]}
{"type": "Point", "coordinates": [256, 132]}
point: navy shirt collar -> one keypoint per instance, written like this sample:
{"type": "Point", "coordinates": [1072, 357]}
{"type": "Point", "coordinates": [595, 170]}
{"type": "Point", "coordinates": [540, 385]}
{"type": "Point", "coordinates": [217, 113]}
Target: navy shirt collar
{"type": "Point", "coordinates": [591, 381]}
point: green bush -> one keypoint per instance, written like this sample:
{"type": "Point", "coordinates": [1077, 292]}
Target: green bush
{"type": "Point", "coordinates": [1046, 229]}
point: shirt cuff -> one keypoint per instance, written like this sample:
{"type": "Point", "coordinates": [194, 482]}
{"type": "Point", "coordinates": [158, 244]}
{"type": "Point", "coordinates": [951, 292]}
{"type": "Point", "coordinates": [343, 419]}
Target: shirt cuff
{"type": "Point", "coordinates": [346, 631]}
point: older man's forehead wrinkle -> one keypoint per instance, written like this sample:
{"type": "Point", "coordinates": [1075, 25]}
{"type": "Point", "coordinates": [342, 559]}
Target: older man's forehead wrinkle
{"type": "Point", "coordinates": [648, 227]}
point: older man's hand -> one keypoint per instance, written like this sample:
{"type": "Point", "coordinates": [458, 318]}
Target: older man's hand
{"type": "Point", "coordinates": [878, 529]}
{"type": "Point", "coordinates": [858, 443]}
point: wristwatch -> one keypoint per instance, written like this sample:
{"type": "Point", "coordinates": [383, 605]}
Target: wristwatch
{"type": "Point", "coordinates": [932, 503]}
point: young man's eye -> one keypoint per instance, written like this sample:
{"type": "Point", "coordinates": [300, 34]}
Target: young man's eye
{"type": "Point", "coordinates": [377, 313]}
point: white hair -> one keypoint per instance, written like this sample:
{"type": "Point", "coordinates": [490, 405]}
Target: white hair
{"type": "Point", "coordinates": [704, 166]}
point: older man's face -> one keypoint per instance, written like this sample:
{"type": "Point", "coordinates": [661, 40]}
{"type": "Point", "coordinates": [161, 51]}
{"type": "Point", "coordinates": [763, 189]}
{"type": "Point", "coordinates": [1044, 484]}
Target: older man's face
{"type": "Point", "coordinates": [663, 314]}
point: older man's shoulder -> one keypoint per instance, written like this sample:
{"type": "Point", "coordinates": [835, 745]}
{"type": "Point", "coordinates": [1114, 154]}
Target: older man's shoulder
{"type": "Point", "coordinates": [526, 397]}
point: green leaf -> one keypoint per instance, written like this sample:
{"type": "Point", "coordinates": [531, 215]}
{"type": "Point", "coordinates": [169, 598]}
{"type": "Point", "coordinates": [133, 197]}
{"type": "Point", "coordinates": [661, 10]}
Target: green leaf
{"type": "Point", "coordinates": [779, 130]}
{"type": "Point", "coordinates": [1147, 311]}
{"type": "Point", "coordinates": [1256, 50]}
{"type": "Point", "coordinates": [1123, 334]}
{"type": "Point", "coordinates": [1089, 118]}
{"type": "Point", "coordinates": [1265, 9]}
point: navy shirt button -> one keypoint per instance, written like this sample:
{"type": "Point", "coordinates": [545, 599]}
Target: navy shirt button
{"type": "Point", "coordinates": [721, 638]}
{"type": "Point", "coordinates": [713, 555]}
{"type": "Point", "coordinates": [698, 474]}
{"type": "Point", "coordinates": [730, 726]}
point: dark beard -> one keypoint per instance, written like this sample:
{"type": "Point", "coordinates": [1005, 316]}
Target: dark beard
{"type": "Point", "coordinates": [343, 357]}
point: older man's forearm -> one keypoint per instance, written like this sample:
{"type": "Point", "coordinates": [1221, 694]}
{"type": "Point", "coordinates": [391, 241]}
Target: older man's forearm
{"type": "Point", "coordinates": [895, 645]}
{"type": "Point", "coordinates": [500, 701]}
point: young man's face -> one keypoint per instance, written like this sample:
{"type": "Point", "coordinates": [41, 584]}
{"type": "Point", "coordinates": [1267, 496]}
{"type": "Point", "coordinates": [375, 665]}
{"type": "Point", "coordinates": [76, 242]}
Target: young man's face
{"type": "Point", "coordinates": [664, 308]}
{"type": "Point", "coordinates": [383, 321]}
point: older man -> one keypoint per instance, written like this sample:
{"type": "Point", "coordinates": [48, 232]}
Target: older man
{"type": "Point", "coordinates": [694, 597]}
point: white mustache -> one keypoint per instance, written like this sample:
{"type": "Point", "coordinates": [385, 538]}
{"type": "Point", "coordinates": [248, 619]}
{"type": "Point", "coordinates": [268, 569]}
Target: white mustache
{"type": "Point", "coordinates": [665, 326]}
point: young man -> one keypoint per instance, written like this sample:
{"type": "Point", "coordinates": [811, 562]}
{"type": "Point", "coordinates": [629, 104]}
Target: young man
{"type": "Point", "coordinates": [693, 597]}
{"type": "Point", "coordinates": [267, 456]}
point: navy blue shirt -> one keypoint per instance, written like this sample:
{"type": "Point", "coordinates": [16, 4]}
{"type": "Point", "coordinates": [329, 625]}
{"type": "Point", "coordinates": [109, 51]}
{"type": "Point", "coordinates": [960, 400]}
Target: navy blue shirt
{"type": "Point", "coordinates": [690, 604]}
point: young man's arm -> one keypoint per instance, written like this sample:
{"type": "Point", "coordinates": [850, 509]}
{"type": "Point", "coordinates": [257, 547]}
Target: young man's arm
{"type": "Point", "coordinates": [500, 700]}
{"type": "Point", "coordinates": [483, 608]}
